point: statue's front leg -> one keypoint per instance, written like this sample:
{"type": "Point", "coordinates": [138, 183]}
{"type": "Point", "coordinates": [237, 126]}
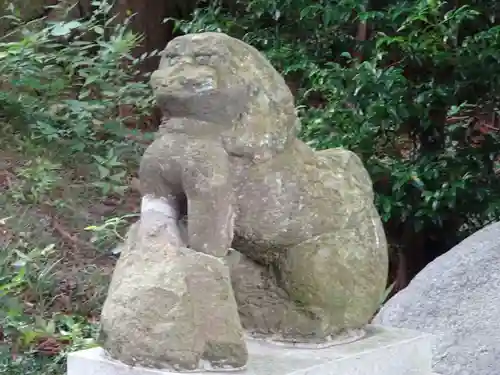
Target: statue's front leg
{"type": "Point", "coordinates": [161, 188]}
{"type": "Point", "coordinates": [172, 306]}
{"type": "Point", "coordinates": [207, 183]}
{"type": "Point", "coordinates": [177, 166]}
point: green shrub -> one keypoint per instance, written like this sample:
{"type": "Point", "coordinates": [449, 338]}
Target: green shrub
{"type": "Point", "coordinates": [63, 89]}
{"type": "Point", "coordinates": [407, 97]}
{"type": "Point", "coordinates": [65, 84]}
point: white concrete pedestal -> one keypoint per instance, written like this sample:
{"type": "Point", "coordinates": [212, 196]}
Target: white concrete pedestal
{"type": "Point", "coordinates": [384, 351]}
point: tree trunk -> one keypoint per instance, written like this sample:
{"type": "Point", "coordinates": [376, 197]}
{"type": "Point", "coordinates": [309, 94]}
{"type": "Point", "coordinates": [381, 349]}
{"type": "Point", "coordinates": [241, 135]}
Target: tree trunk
{"type": "Point", "coordinates": [149, 22]}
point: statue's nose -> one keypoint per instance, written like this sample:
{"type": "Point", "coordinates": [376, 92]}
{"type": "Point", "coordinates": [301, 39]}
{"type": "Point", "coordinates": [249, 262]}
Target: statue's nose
{"type": "Point", "coordinates": [198, 84]}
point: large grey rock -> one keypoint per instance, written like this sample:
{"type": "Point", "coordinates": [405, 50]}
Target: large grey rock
{"type": "Point", "coordinates": [457, 298]}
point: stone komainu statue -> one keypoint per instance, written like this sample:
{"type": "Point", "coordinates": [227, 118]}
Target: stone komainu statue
{"type": "Point", "coordinates": [280, 241]}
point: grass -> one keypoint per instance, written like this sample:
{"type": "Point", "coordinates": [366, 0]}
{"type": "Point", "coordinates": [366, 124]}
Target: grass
{"type": "Point", "coordinates": [56, 232]}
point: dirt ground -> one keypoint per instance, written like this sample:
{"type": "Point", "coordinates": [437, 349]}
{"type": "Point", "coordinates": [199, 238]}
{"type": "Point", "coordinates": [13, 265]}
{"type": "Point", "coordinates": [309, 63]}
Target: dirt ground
{"type": "Point", "coordinates": [82, 266]}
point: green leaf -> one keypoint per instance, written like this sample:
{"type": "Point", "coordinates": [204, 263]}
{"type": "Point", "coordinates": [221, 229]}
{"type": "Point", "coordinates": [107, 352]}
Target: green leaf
{"type": "Point", "coordinates": [64, 28]}
{"type": "Point", "coordinates": [418, 225]}
{"type": "Point", "coordinates": [103, 171]}
{"type": "Point", "coordinates": [387, 205]}
{"type": "Point", "coordinates": [99, 30]}
{"type": "Point", "coordinates": [51, 327]}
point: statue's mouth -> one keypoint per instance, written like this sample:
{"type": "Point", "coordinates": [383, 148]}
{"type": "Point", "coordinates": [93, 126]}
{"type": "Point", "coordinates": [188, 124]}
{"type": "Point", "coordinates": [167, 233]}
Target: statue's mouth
{"type": "Point", "coordinates": [197, 86]}
{"type": "Point", "coordinates": [185, 80]}
{"type": "Point", "coordinates": [206, 105]}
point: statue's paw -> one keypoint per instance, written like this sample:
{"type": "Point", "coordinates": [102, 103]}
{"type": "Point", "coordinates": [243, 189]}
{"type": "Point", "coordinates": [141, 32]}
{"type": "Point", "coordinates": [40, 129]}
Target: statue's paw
{"type": "Point", "coordinates": [173, 308]}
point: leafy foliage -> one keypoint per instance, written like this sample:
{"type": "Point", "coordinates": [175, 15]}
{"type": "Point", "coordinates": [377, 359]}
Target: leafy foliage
{"type": "Point", "coordinates": [405, 84]}
{"type": "Point", "coordinates": [65, 84]}
{"type": "Point", "coordinates": [70, 90]}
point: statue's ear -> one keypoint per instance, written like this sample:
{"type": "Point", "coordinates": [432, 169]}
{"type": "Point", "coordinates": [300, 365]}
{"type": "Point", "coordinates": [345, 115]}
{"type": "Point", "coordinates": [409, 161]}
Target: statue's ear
{"type": "Point", "coordinates": [267, 128]}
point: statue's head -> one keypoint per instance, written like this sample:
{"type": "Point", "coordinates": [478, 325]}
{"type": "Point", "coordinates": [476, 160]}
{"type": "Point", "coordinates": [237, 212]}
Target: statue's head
{"type": "Point", "coordinates": [231, 88]}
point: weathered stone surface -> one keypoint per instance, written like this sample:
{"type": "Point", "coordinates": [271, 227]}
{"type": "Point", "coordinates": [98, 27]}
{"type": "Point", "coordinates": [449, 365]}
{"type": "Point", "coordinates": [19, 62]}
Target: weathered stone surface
{"type": "Point", "coordinates": [169, 306]}
{"type": "Point", "coordinates": [456, 298]}
{"type": "Point", "coordinates": [306, 219]}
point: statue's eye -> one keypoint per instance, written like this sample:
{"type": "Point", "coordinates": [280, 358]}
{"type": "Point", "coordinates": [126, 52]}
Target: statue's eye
{"type": "Point", "coordinates": [172, 60]}
{"type": "Point", "coordinates": [203, 59]}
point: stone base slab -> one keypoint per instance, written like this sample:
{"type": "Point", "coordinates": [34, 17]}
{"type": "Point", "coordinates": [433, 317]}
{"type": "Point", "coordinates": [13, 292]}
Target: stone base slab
{"type": "Point", "coordinates": [383, 351]}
